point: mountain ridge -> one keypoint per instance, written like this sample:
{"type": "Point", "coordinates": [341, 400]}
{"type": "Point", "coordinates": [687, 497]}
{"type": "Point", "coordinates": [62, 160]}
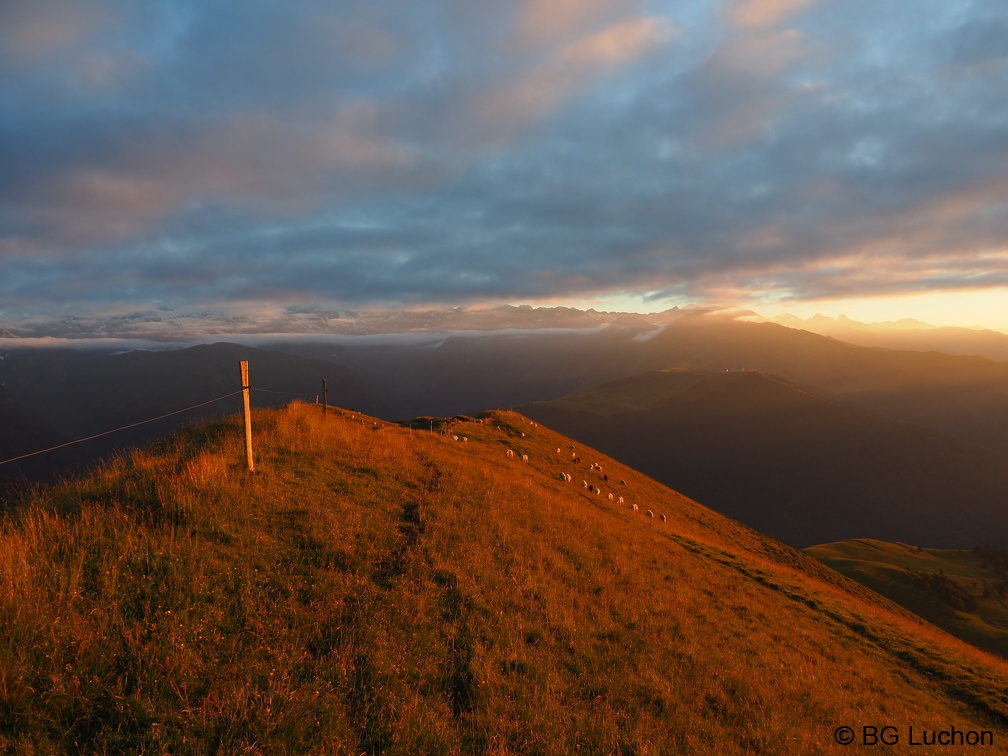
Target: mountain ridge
{"type": "Point", "coordinates": [906, 334]}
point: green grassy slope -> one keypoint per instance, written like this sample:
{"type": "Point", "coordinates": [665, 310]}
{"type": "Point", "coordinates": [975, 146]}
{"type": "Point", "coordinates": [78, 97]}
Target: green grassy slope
{"type": "Point", "coordinates": [894, 570]}
{"type": "Point", "coordinates": [375, 588]}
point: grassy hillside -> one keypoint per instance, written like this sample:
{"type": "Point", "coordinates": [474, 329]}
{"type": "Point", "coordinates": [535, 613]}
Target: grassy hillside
{"type": "Point", "coordinates": [790, 463]}
{"type": "Point", "coordinates": [376, 588]}
{"type": "Point", "coordinates": [960, 590]}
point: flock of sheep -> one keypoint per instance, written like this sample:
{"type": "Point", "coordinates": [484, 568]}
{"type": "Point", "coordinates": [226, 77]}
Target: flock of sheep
{"type": "Point", "coordinates": [590, 487]}
{"type": "Point", "coordinates": [564, 476]}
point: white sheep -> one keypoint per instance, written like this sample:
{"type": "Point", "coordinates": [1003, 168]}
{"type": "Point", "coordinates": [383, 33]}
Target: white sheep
{"type": "Point", "coordinates": [598, 491]}
{"type": "Point", "coordinates": [610, 497]}
{"type": "Point", "coordinates": [661, 517]}
{"type": "Point", "coordinates": [510, 453]}
{"type": "Point", "coordinates": [584, 484]}
{"type": "Point", "coordinates": [454, 437]}
{"type": "Point", "coordinates": [634, 507]}
{"type": "Point", "coordinates": [465, 439]}
{"type": "Point", "coordinates": [568, 477]}
{"type": "Point", "coordinates": [620, 500]}
{"type": "Point", "coordinates": [622, 482]}
{"type": "Point", "coordinates": [649, 513]}
{"type": "Point", "coordinates": [525, 458]}
{"type": "Point", "coordinates": [563, 476]}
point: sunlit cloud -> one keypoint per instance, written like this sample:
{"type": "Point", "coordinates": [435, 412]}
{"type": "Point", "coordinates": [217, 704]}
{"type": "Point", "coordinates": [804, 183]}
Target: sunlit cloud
{"type": "Point", "coordinates": [763, 13]}
{"type": "Point", "coordinates": [545, 88]}
{"type": "Point", "coordinates": [552, 23]}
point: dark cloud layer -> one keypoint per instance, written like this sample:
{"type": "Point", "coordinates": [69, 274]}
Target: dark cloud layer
{"type": "Point", "coordinates": [201, 156]}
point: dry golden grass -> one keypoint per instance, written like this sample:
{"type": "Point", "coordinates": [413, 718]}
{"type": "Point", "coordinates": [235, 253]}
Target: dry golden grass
{"type": "Point", "coordinates": [374, 588]}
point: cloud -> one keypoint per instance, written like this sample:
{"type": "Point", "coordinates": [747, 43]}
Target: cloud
{"type": "Point", "coordinates": [258, 159]}
{"type": "Point", "coordinates": [190, 155]}
{"type": "Point", "coordinates": [108, 72]}
{"type": "Point", "coordinates": [552, 23]}
{"type": "Point", "coordinates": [32, 33]}
{"type": "Point", "coordinates": [533, 93]}
{"type": "Point", "coordinates": [738, 93]}
{"type": "Point", "coordinates": [763, 13]}
{"type": "Point", "coordinates": [273, 150]}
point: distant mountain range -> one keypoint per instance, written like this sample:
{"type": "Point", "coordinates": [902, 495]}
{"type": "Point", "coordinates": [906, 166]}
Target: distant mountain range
{"type": "Point", "coordinates": [906, 334]}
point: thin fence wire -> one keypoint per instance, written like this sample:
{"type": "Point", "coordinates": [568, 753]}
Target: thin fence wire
{"type": "Point", "coordinates": [125, 427]}
{"type": "Point", "coordinates": [285, 393]}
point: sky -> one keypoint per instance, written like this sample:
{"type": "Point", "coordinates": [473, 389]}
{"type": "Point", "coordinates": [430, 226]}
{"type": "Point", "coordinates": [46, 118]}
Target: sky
{"type": "Point", "coordinates": [171, 156]}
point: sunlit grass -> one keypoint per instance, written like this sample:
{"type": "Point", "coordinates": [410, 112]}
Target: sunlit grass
{"type": "Point", "coordinates": [373, 588]}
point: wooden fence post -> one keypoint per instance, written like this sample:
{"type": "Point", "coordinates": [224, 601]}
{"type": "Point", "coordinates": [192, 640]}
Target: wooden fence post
{"type": "Point", "coordinates": [248, 414]}
{"type": "Point", "coordinates": [325, 398]}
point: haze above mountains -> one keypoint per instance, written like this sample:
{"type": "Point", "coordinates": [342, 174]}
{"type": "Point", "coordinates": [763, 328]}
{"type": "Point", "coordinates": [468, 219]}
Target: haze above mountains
{"type": "Point", "coordinates": [801, 435]}
{"type": "Point", "coordinates": [908, 333]}
{"type": "Point", "coordinates": [160, 327]}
